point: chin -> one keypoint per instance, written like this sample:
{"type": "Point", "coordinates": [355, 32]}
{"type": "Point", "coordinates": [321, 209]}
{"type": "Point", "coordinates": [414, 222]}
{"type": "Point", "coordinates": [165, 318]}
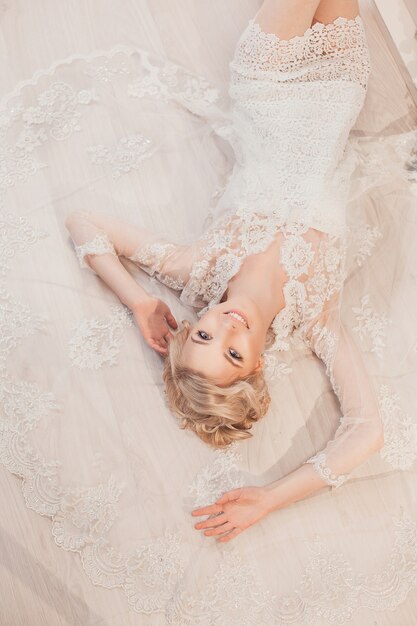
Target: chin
{"type": "Point", "coordinates": [243, 305]}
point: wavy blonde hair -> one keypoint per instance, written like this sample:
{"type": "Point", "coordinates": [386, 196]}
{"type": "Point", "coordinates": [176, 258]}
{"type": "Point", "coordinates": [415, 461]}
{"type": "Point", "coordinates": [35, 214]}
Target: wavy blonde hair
{"type": "Point", "coordinates": [218, 415]}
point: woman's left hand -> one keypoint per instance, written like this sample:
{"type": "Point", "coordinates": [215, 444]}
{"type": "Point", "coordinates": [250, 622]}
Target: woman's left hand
{"type": "Point", "coordinates": [154, 319]}
{"type": "Point", "coordinates": [236, 510]}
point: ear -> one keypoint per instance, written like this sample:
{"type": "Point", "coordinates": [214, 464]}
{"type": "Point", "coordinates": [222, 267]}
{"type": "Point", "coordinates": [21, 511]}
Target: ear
{"type": "Point", "coordinates": [260, 364]}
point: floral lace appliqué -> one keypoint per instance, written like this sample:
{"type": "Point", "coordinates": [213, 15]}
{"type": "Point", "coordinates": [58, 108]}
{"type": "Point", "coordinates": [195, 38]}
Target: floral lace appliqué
{"type": "Point", "coordinates": [16, 322]}
{"type": "Point", "coordinates": [217, 477]}
{"type": "Point", "coordinates": [153, 573]}
{"type": "Point", "coordinates": [16, 235]}
{"type": "Point", "coordinates": [125, 156]}
{"type": "Point", "coordinates": [107, 70]}
{"type": "Point", "coordinates": [363, 239]}
{"type": "Point", "coordinates": [55, 115]}
{"type": "Point", "coordinates": [86, 514]}
{"type": "Point", "coordinates": [57, 110]}
{"type": "Point", "coordinates": [167, 82]}
{"type": "Point", "coordinates": [151, 257]}
{"type": "Point", "coordinates": [400, 431]}
{"type": "Point", "coordinates": [371, 325]}
{"type": "Point", "coordinates": [96, 341]}
{"type": "Point", "coordinates": [274, 369]}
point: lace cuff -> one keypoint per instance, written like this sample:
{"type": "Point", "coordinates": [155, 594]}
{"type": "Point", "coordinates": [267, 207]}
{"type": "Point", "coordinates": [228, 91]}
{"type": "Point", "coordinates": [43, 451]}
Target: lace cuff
{"type": "Point", "coordinates": [319, 463]}
{"type": "Point", "coordinates": [101, 244]}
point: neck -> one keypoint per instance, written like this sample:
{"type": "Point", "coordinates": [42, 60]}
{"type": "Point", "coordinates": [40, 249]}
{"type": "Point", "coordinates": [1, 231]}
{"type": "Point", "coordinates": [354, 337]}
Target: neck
{"type": "Point", "coordinates": [266, 293]}
{"type": "Point", "coordinates": [261, 278]}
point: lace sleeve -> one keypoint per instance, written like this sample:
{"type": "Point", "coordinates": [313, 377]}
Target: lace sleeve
{"type": "Point", "coordinates": [360, 432]}
{"type": "Point", "coordinates": [163, 260]}
{"type": "Point", "coordinates": [97, 233]}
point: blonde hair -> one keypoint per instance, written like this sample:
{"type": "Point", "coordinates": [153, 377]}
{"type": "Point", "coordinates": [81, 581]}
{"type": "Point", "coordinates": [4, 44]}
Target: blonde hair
{"type": "Point", "coordinates": [218, 415]}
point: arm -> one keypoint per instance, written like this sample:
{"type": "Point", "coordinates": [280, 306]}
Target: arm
{"type": "Point", "coordinates": [360, 432]}
{"type": "Point", "coordinates": [359, 435]}
{"type": "Point", "coordinates": [99, 242]}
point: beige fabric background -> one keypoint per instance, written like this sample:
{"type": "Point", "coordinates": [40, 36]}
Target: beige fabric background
{"type": "Point", "coordinates": [41, 584]}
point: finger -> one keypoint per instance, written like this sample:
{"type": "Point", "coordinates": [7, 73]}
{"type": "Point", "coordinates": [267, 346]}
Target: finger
{"type": "Point", "coordinates": [157, 347]}
{"type": "Point", "coordinates": [234, 533]}
{"type": "Point", "coordinates": [229, 496]}
{"type": "Point", "coordinates": [208, 510]}
{"type": "Point", "coordinates": [163, 342]}
{"type": "Point", "coordinates": [168, 336]}
{"type": "Point", "coordinates": [213, 521]}
{"type": "Point", "coordinates": [219, 530]}
{"type": "Point", "coordinates": [171, 320]}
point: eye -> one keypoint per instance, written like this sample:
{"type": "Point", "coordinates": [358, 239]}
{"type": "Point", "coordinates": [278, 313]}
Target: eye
{"type": "Point", "coordinates": [235, 354]}
{"type": "Point", "coordinates": [203, 335]}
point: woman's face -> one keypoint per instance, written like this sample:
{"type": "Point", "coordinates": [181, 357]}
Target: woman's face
{"type": "Point", "coordinates": [227, 342]}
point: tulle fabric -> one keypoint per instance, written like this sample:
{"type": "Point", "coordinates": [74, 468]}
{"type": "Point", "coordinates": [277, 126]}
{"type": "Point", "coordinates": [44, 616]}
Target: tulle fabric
{"type": "Point", "coordinates": [129, 134]}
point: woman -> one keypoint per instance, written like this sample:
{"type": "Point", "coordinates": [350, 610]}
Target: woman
{"type": "Point", "coordinates": [275, 257]}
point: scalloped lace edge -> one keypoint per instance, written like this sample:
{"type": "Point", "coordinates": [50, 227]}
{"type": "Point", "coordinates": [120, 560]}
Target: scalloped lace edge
{"type": "Point", "coordinates": [317, 26]}
{"type": "Point", "coordinates": [110, 52]}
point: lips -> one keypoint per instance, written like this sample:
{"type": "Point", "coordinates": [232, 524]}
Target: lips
{"type": "Point", "coordinates": [238, 316]}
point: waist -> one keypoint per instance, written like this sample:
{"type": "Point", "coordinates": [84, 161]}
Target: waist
{"type": "Point", "coordinates": [319, 202]}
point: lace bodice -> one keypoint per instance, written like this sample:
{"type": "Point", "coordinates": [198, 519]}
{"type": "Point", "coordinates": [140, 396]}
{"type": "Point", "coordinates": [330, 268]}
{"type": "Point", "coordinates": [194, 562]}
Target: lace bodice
{"type": "Point", "coordinates": [293, 105]}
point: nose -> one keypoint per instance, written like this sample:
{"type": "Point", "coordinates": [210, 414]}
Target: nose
{"type": "Point", "coordinates": [229, 322]}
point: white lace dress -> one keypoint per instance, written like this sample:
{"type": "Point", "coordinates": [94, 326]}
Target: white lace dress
{"type": "Point", "coordinates": [210, 172]}
{"type": "Point", "coordinates": [293, 105]}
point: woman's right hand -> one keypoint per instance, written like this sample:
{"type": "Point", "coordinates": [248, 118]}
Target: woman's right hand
{"type": "Point", "coordinates": [155, 319]}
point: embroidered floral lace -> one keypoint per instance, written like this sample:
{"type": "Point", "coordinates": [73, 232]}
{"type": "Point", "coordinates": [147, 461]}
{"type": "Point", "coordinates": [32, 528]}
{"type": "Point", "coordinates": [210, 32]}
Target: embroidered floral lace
{"type": "Point", "coordinates": [348, 325]}
{"type": "Point", "coordinates": [101, 244]}
{"type": "Point", "coordinates": [290, 182]}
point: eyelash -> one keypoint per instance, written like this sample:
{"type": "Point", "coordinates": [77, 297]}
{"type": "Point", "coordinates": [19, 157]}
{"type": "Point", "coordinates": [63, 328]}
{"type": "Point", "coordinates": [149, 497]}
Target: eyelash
{"type": "Point", "coordinates": [207, 337]}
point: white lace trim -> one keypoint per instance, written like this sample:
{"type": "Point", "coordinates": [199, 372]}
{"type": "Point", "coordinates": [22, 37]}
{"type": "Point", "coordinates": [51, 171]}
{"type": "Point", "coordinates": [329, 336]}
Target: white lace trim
{"type": "Point", "coordinates": [109, 54]}
{"type": "Point", "coordinates": [321, 52]}
{"type": "Point", "coordinates": [319, 462]}
{"type": "Point", "coordinates": [100, 244]}
{"type": "Point", "coordinates": [327, 572]}
{"type": "Point", "coordinates": [328, 576]}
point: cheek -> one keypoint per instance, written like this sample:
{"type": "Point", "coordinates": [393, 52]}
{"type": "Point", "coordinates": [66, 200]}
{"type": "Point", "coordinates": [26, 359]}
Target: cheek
{"type": "Point", "coordinates": [255, 346]}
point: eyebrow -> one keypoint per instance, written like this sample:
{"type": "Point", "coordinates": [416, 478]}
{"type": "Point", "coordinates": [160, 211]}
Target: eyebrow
{"type": "Point", "coordinates": [226, 356]}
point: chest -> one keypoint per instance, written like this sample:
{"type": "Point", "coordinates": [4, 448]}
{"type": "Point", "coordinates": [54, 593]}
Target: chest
{"type": "Point", "coordinates": [263, 271]}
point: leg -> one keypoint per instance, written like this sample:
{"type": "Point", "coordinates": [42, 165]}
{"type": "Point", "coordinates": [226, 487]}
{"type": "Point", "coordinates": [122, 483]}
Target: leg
{"type": "Point", "coordinates": [287, 18]}
{"type": "Point", "coordinates": [329, 10]}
